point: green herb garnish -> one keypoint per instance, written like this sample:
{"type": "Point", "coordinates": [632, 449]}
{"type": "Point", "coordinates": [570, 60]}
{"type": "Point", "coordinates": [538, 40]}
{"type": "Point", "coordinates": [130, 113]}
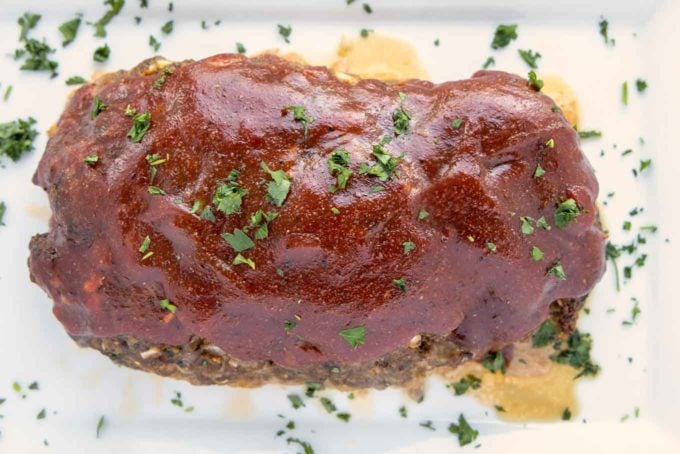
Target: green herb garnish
{"type": "Point", "coordinates": [69, 30]}
{"type": "Point", "coordinates": [534, 81]}
{"type": "Point", "coordinates": [3, 209]}
{"type": "Point", "coordinates": [408, 247]}
{"type": "Point", "coordinates": [101, 54]}
{"type": "Point", "coordinates": [289, 325]}
{"type": "Point", "coordinates": [278, 188]}
{"type": "Point", "coordinates": [100, 425]}
{"type": "Point", "coordinates": [386, 164]}
{"type": "Point", "coordinates": [577, 354]}
{"type": "Point", "coordinates": [16, 138]}
{"type": "Point", "coordinates": [468, 382]}
{"type": "Point", "coordinates": [624, 93]}
{"type": "Point", "coordinates": [154, 43]}
{"type": "Point", "coordinates": [589, 134]}
{"type": "Point", "coordinates": [296, 401]}
{"type": "Point", "coordinates": [536, 253]}
{"type": "Point", "coordinates": [75, 80]}
{"type": "Point", "coordinates": [98, 106]}
{"type": "Point", "coordinates": [557, 271]}
{"type": "Point", "coordinates": [300, 115]}
{"type": "Point", "coordinates": [455, 123]}
{"type": "Point", "coordinates": [400, 284]}
{"type": "Point", "coordinates": [303, 444]}
{"type": "Point", "coordinates": [466, 434]}
{"type": "Point", "coordinates": [604, 30]}
{"type": "Point", "coordinates": [337, 165]}
{"type": "Point", "coordinates": [503, 35]}
{"type": "Point", "coordinates": [354, 336]}
{"type": "Point", "coordinates": [167, 305]}
{"type": "Point", "coordinates": [544, 335]}
{"type": "Point", "coordinates": [229, 194]}
{"type": "Point", "coordinates": [260, 221]}
{"type": "Point", "coordinates": [140, 125]}
{"type": "Point", "coordinates": [525, 225]}
{"type": "Point", "coordinates": [27, 22]}
{"type": "Point", "coordinates": [494, 361]}
{"type": "Point", "coordinates": [566, 212]}
{"type": "Point", "coordinates": [241, 260]}
{"type": "Point", "coordinates": [91, 159]}
{"type": "Point", "coordinates": [422, 214]}
{"type": "Point", "coordinates": [641, 85]}
{"type": "Point", "coordinates": [238, 240]}
{"type": "Point", "coordinates": [285, 32]}
{"type": "Point", "coordinates": [99, 26]}
{"type": "Point", "coordinates": [529, 57]}
{"type": "Point", "coordinates": [367, 8]}
{"type": "Point", "coordinates": [328, 404]}
{"type": "Point", "coordinates": [240, 48]}
{"type": "Point", "coordinates": [489, 63]}
{"type": "Point", "coordinates": [168, 27]}
{"type": "Point", "coordinates": [364, 32]}
{"type": "Point", "coordinates": [539, 172]}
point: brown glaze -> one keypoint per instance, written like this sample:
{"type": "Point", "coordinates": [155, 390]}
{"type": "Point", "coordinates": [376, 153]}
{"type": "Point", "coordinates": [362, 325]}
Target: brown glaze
{"type": "Point", "coordinates": [228, 112]}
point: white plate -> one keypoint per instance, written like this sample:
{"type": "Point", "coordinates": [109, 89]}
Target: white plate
{"type": "Point", "coordinates": [78, 386]}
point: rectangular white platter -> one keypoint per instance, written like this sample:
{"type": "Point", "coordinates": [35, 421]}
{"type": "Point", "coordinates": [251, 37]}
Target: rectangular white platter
{"type": "Point", "coordinates": [78, 386]}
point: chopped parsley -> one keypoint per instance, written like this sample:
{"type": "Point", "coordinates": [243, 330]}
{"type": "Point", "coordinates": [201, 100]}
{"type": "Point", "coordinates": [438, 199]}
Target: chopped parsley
{"type": "Point", "coordinates": [466, 434]}
{"type": "Point", "coordinates": [367, 8]}
{"type": "Point", "coordinates": [16, 137]}
{"type": "Point", "coordinates": [634, 313]}
{"type": "Point", "coordinates": [503, 35]}
{"type": "Point", "coordinates": [544, 335]}
{"type": "Point", "coordinates": [240, 48]}
{"type": "Point", "coordinates": [386, 164]}
{"type": "Point", "coordinates": [41, 414]}
{"type": "Point", "coordinates": [300, 115]}
{"type": "Point", "coordinates": [335, 211]}
{"type": "Point", "coordinates": [566, 212]}
{"type": "Point", "coordinates": [158, 83]}
{"type": "Point", "coordinates": [589, 134]}
{"type": "Point", "coordinates": [400, 284]}
{"type": "Point", "coordinates": [557, 271]}
{"type": "Point", "coordinates": [641, 85]}
{"type": "Point", "coordinates": [278, 188]}
{"type": "Point", "coordinates": [101, 54]}
{"type": "Point", "coordinates": [408, 247]}
{"type": "Point", "coordinates": [455, 123]}
{"type": "Point", "coordinates": [311, 387]}
{"type": "Point", "coordinates": [167, 305]}
{"type": "Point", "coordinates": [260, 221]}
{"type": "Point", "coordinates": [422, 214]}
{"type": "Point", "coordinates": [644, 163]}
{"type": "Point", "coordinates": [328, 404]}
{"type": "Point", "coordinates": [489, 63]}
{"type": "Point", "coordinates": [364, 32]}
{"type": "Point", "coordinates": [99, 26]}
{"type": "Point", "coordinates": [337, 166]}
{"type": "Point", "coordinates": [37, 57]}
{"type": "Point", "coordinates": [145, 244]}
{"type": "Point", "coordinates": [98, 106]}
{"type": "Point", "coordinates": [529, 57]}
{"type": "Point", "coordinates": [604, 30]}
{"type": "Point", "coordinates": [207, 214]}
{"type": "Point", "coordinates": [403, 412]}
{"type": "Point", "coordinates": [436, 42]}
{"type": "Point", "coordinates": [427, 424]}
{"type": "Point", "coordinates": [100, 425]}
{"type": "Point", "coordinates": [468, 382]}
{"type": "Point", "coordinates": [375, 189]}
{"type": "Point", "coordinates": [494, 361]}
{"type": "Point", "coordinates": [75, 80]}
{"type": "Point", "coordinates": [303, 444]}
{"type": "Point", "coordinates": [168, 27]}
{"type": "Point", "coordinates": [154, 43]}
{"type": "Point", "coordinates": [27, 22]}
{"type": "Point", "coordinates": [69, 30]}
{"type": "Point", "coordinates": [3, 209]}
{"type": "Point", "coordinates": [295, 401]}
{"type": "Point", "coordinates": [354, 336]}
{"type": "Point", "coordinates": [285, 32]}
{"type": "Point", "coordinates": [229, 194]}
{"type": "Point", "coordinates": [141, 123]}
{"type": "Point", "coordinates": [238, 240]}
{"type": "Point", "coordinates": [491, 246]}
{"type": "Point", "coordinates": [401, 118]}
{"type": "Point", "coordinates": [539, 172]}
{"type": "Point", "coordinates": [241, 260]}
{"type": "Point", "coordinates": [550, 143]}
{"type": "Point", "coordinates": [577, 354]}
{"type": "Point", "coordinates": [566, 414]}
{"type": "Point", "coordinates": [525, 226]}
{"type": "Point", "coordinates": [536, 253]}
{"type": "Point", "coordinates": [624, 93]}
{"type": "Point", "coordinates": [534, 81]}
{"type": "Point", "coordinates": [344, 416]}
{"type": "Point", "coordinates": [91, 159]}
{"type": "Point", "coordinates": [289, 325]}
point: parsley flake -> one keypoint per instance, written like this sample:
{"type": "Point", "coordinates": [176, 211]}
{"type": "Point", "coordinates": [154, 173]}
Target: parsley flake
{"type": "Point", "coordinates": [300, 115]}
{"type": "Point", "coordinates": [455, 124]}
{"type": "Point", "coordinates": [534, 82]}
{"type": "Point", "coordinates": [503, 35]}
{"type": "Point", "coordinates": [422, 214]}
{"type": "Point", "coordinates": [168, 27]}
{"type": "Point", "coordinates": [624, 93]}
{"type": "Point", "coordinates": [69, 30]}
{"type": "Point", "coordinates": [529, 57]}
{"type": "Point", "coordinates": [154, 43]}
{"type": "Point", "coordinates": [489, 63]}
{"type": "Point", "coordinates": [408, 247]}
{"type": "Point", "coordinates": [238, 240]}
{"type": "Point", "coordinates": [386, 164]}
{"type": "Point", "coordinates": [167, 305]}
{"type": "Point", "coordinates": [296, 401]}
{"type": "Point", "coordinates": [536, 253]}
{"type": "Point", "coordinates": [466, 434]}
{"type": "Point", "coordinates": [140, 125]}
{"type": "Point", "coordinates": [16, 138]}
{"type": "Point", "coordinates": [241, 260]}
{"type": "Point", "coordinates": [468, 382]}
{"type": "Point", "coordinates": [400, 284]}
{"type": "Point", "coordinates": [566, 212]}
{"type": "Point", "coordinates": [539, 172]}
{"type": "Point", "coordinates": [229, 194]}
{"type": "Point", "coordinates": [285, 32]}
{"type": "Point", "coordinates": [91, 159]}
{"type": "Point", "coordinates": [557, 271]}
{"type": "Point", "coordinates": [494, 361]}
{"type": "Point", "coordinates": [526, 227]}
{"type": "Point", "coordinates": [641, 85]}
{"type": "Point", "coordinates": [589, 134]}
{"type": "Point", "coordinates": [544, 335]}
{"type": "Point", "coordinates": [75, 80]}
{"type": "Point", "coordinates": [98, 106]}
{"type": "Point", "coordinates": [101, 54]}
{"type": "Point", "coordinates": [240, 48]}
{"type": "Point", "coordinates": [99, 26]}
{"type": "Point", "coordinates": [100, 425]}
{"type": "Point", "coordinates": [354, 336]}
{"type": "Point", "coordinates": [278, 188]}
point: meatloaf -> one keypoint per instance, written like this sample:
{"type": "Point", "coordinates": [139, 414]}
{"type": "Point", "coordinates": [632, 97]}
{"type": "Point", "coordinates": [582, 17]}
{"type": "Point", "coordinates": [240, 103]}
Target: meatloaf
{"type": "Point", "coordinates": [251, 220]}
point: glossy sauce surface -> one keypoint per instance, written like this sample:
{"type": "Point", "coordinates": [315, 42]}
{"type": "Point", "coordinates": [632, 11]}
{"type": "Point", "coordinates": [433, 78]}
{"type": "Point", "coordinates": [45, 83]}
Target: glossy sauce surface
{"type": "Point", "coordinates": [228, 112]}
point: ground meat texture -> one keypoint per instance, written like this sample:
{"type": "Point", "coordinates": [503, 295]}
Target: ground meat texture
{"type": "Point", "coordinates": [319, 271]}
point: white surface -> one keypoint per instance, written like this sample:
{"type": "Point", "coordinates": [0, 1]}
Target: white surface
{"type": "Point", "coordinates": [82, 385]}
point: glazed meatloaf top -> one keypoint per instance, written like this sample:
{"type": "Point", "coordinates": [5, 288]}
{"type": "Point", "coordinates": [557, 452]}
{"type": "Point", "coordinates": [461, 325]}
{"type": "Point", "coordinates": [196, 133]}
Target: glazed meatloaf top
{"type": "Point", "coordinates": [284, 214]}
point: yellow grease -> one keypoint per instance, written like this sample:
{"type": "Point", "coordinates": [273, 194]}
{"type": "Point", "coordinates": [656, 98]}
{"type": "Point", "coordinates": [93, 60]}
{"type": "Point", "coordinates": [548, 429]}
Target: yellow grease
{"type": "Point", "coordinates": [534, 387]}
{"type": "Point", "coordinates": [563, 95]}
{"type": "Point", "coordinates": [380, 57]}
